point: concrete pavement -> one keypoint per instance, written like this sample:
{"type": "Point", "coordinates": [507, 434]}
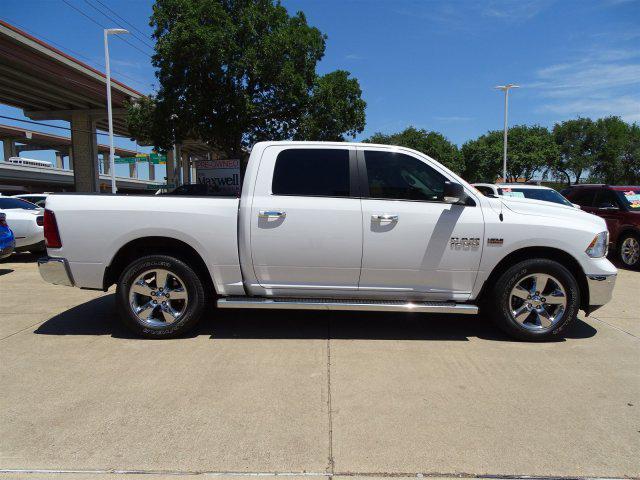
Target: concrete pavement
{"type": "Point", "coordinates": [312, 394]}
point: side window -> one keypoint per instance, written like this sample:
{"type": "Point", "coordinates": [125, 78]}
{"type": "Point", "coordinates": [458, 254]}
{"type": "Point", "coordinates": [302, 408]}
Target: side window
{"type": "Point", "coordinates": [606, 198]}
{"type": "Point", "coordinates": [320, 172]}
{"type": "Point", "coordinates": [584, 197]}
{"type": "Point", "coordinates": [402, 177]}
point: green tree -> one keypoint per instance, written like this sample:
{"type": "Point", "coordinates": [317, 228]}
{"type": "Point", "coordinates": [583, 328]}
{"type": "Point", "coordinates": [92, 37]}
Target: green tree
{"type": "Point", "coordinates": [611, 143]}
{"type": "Point", "coordinates": [530, 149]}
{"type": "Point", "coordinates": [575, 140]}
{"type": "Point", "coordinates": [631, 156]}
{"type": "Point", "coordinates": [335, 109]}
{"type": "Point", "coordinates": [233, 72]}
{"type": "Point", "coordinates": [433, 144]}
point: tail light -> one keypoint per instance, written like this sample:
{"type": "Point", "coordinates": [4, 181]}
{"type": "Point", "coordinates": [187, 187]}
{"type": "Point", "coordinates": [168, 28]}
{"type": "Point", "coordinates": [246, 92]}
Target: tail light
{"type": "Point", "coordinates": [51, 234]}
{"type": "Point", "coordinates": [40, 220]}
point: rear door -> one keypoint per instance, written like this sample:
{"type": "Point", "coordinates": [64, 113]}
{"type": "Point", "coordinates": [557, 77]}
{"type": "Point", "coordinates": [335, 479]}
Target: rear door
{"type": "Point", "coordinates": [306, 225]}
{"type": "Point", "coordinates": [415, 245]}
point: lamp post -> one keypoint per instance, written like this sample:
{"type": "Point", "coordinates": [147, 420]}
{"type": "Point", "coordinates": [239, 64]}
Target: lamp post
{"type": "Point", "coordinates": [505, 89]}
{"type": "Point", "coordinates": [112, 166]}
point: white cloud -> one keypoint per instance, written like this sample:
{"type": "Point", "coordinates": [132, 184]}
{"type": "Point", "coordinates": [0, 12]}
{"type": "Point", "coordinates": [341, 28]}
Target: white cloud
{"type": "Point", "coordinates": [514, 10]}
{"type": "Point", "coordinates": [458, 14]}
{"type": "Point", "coordinates": [601, 82]}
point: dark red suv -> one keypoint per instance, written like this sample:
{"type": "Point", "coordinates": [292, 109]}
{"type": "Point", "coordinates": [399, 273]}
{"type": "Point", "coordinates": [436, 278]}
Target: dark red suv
{"type": "Point", "coordinates": [620, 207]}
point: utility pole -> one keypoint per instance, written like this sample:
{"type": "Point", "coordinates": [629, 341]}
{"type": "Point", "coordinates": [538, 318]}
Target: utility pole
{"type": "Point", "coordinates": [112, 166]}
{"type": "Point", "coordinates": [505, 89]}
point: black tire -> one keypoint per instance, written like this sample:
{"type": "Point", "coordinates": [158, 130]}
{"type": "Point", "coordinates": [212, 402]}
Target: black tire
{"type": "Point", "coordinates": [181, 275]}
{"type": "Point", "coordinates": [623, 247]}
{"type": "Point", "coordinates": [500, 304]}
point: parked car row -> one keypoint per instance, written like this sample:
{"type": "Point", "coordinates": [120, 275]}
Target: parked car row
{"type": "Point", "coordinates": [619, 206]}
{"type": "Point", "coordinates": [7, 241]}
{"type": "Point", "coordinates": [26, 220]}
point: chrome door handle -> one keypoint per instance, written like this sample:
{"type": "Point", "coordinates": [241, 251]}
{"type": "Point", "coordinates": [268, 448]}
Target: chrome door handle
{"type": "Point", "coordinates": [272, 214]}
{"type": "Point", "coordinates": [385, 217]}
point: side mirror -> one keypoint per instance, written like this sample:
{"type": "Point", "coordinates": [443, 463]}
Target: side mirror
{"type": "Point", "coordinates": [453, 193]}
{"type": "Point", "coordinates": [607, 206]}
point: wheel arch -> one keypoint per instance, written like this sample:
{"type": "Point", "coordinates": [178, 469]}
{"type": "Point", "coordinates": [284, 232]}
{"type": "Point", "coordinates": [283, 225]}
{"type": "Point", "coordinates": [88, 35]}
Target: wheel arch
{"type": "Point", "coordinates": [550, 253]}
{"type": "Point", "coordinates": [154, 245]}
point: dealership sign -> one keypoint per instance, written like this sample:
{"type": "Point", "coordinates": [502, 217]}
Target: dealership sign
{"type": "Point", "coordinates": [221, 175]}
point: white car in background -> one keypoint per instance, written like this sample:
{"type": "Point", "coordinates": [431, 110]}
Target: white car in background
{"type": "Point", "coordinates": [523, 190]}
{"type": "Point", "coordinates": [26, 220]}
{"type": "Point", "coordinates": [37, 198]}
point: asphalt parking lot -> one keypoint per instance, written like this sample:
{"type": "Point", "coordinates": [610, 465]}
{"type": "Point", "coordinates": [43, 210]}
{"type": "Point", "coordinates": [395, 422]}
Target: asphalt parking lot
{"type": "Point", "coordinates": [307, 394]}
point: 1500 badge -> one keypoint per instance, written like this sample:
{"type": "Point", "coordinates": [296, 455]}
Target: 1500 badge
{"type": "Point", "coordinates": [464, 242]}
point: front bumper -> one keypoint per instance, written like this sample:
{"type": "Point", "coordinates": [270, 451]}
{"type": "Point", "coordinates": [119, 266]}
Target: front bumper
{"type": "Point", "coordinates": [55, 270]}
{"type": "Point", "coordinates": [600, 289]}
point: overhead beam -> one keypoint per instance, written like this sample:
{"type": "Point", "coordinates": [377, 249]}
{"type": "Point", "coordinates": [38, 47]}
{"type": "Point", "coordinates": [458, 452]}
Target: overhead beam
{"type": "Point", "coordinates": [94, 113]}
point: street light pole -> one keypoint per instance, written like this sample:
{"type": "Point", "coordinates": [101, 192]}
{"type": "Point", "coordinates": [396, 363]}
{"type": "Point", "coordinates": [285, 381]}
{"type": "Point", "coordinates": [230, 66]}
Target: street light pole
{"type": "Point", "coordinates": [505, 89]}
{"type": "Point", "coordinates": [112, 166]}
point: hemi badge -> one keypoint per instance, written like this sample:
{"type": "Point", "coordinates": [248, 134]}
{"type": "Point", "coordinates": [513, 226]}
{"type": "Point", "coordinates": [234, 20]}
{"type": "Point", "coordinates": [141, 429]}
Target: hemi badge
{"type": "Point", "coordinates": [495, 241]}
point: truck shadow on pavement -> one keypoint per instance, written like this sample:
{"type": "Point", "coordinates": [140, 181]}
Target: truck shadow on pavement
{"type": "Point", "coordinates": [99, 317]}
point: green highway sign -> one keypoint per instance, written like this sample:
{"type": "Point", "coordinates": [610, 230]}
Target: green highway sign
{"type": "Point", "coordinates": [126, 160]}
{"type": "Point", "coordinates": [155, 158]}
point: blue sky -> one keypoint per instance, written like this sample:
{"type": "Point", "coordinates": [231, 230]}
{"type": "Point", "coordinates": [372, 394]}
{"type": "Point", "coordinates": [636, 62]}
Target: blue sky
{"type": "Point", "coordinates": [430, 64]}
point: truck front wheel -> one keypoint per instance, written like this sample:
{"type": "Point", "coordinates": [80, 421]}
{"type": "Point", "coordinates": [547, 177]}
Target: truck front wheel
{"type": "Point", "coordinates": [534, 300]}
{"type": "Point", "coordinates": [159, 296]}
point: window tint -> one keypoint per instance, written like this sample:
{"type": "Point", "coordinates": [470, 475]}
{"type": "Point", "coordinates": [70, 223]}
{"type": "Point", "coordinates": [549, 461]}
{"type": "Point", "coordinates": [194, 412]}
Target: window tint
{"type": "Point", "coordinates": [14, 203]}
{"type": "Point", "coordinates": [312, 172]}
{"type": "Point", "coordinates": [402, 177]}
{"type": "Point", "coordinates": [606, 198]}
{"type": "Point", "coordinates": [486, 191]}
{"type": "Point", "coordinates": [542, 194]}
{"type": "Point", "coordinates": [583, 197]}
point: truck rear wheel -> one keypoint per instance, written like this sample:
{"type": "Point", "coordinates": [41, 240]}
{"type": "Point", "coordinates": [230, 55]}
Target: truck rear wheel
{"type": "Point", "coordinates": [159, 296]}
{"type": "Point", "coordinates": [535, 300]}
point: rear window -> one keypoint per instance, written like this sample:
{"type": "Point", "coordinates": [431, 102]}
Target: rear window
{"type": "Point", "coordinates": [312, 172]}
{"type": "Point", "coordinates": [536, 194]}
{"type": "Point", "coordinates": [14, 203]}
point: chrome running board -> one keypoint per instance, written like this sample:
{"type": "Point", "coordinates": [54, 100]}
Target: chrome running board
{"type": "Point", "coordinates": [358, 305]}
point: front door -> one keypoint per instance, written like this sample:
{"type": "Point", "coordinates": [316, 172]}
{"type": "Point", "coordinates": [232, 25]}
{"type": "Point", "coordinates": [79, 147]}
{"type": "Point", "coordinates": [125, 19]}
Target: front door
{"type": "Point", "coordinates": [414, 244]}
{"type": "Point", "coordinates": [306, 225]}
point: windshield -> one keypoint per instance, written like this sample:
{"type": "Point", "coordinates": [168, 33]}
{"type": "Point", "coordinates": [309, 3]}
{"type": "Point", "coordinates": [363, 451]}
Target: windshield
{"type": "Point", "coordinates": [630, 198]}
{"type": "Point", "coordinates": [546, 195]}
{"type": "Point", "coordinates": [13, 203]}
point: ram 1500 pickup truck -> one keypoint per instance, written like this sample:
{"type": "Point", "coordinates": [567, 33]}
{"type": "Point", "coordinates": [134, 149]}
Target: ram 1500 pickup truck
{"type": "Point", "coordinates": [333, 226]}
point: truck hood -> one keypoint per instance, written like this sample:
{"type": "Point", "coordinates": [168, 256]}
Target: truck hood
{"type": "Point", "coordinates": [555, 211]}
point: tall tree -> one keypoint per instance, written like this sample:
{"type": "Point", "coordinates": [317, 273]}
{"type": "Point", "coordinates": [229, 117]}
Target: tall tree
{"type": "Point", "coordinates": [575, 140]}
{"type": "Point", "coordinates": [335, 109]}
{"type": "Point", "coordinates": [530, 149]}
{"type": "Point", "coordinates": [233, 72]}
{"type": "Point", "coordinates": [433, 144]}
{"type": "Point", "coordinates": [611, 142]}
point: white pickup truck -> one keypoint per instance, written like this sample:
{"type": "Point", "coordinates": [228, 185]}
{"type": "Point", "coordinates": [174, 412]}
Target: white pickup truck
{"type": "Point", "coordinates": [333, 226]}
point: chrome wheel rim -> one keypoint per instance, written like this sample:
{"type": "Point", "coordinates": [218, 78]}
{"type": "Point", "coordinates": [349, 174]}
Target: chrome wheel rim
{"type": "Point", "coordinates": [158, 298]}
{"type": "Point", "coordinates": [630, 251]}
{"type": "Point", "coordinates": [538, 302]}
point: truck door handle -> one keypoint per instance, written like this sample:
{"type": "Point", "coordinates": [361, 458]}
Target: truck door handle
{"type": "Point", "coordinates": [385, 217]}
{"type": "Point", "coordinates": [272, 214]}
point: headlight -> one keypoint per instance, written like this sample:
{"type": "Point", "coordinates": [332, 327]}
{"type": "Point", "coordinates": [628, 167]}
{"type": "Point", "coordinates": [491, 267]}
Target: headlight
{"type": "Point", "coordinates": [599, 246]}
